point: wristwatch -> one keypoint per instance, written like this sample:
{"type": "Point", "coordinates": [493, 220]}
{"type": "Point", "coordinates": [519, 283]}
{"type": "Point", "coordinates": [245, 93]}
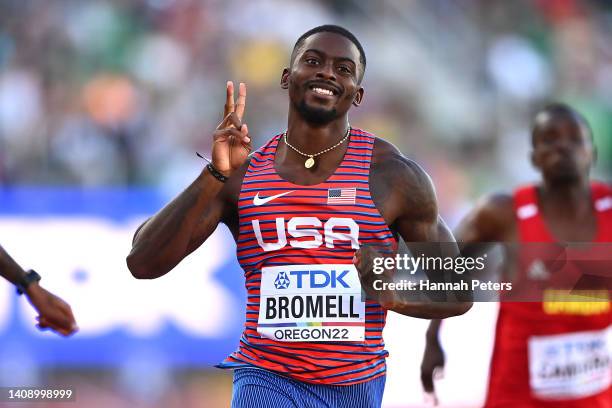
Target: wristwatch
{"type": "Point", "coordinates": [29, 277]}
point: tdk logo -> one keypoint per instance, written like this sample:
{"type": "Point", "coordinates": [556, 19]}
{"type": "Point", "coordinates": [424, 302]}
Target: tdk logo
{"type": "Point", "coordinates": [281, 281]}
{"type": "Point", "coordinates": [320, 279]}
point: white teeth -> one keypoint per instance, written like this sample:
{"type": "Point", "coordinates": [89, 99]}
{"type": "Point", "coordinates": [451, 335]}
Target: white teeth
{"type": "Point", "coordinates": [323, 91]}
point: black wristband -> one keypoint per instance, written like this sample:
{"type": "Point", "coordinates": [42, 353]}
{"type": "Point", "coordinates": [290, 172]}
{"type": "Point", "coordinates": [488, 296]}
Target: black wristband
{"type": "Point", "coordinates": [31, 276]}
{"type": "Point", "coordinates": [216, 173]}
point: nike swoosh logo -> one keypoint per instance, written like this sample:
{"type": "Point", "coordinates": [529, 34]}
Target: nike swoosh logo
{"type": "Point", "coordinates": [262, 200]}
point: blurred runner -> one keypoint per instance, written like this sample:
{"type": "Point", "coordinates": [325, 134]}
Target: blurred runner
{"type": "Point", "coordinates": [543, 356]}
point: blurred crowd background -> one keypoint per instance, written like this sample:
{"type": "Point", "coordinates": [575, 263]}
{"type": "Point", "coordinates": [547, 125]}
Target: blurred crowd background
{"type": "Point", "coordinates": [122, 93]}
{"type": "Point", "coordinates": [97, 93]}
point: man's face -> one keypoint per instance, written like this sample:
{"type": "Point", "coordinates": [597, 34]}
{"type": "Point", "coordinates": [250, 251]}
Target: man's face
{"type": "Point", "coordinates": [562, 147]}
{"type": "Point", "coordinates": [323, 80]}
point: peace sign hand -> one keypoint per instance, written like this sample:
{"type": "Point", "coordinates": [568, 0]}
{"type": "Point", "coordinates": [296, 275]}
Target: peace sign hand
{"type": "Point", "coordinates": [231, 141]}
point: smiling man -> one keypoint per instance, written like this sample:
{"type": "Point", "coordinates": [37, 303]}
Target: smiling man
{"type": "Point", "coordinates": [300, 208]}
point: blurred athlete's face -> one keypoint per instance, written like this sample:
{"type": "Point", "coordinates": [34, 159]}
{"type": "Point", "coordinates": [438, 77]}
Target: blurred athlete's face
{"type": "Point", "coordinates": [323, 80]}
{"type": "Point", "coordinates": [562, 147]}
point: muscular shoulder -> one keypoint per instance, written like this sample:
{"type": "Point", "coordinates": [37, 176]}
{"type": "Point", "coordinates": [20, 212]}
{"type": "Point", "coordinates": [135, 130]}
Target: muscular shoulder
{"type": "Point", "coordinates": [399, 186]}
{"type": "Point", "coordinates": [384, 150]}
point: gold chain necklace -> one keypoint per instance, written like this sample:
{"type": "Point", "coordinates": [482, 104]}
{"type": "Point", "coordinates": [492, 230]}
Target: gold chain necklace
{"type": "Point", "coordinates": [310, 161]}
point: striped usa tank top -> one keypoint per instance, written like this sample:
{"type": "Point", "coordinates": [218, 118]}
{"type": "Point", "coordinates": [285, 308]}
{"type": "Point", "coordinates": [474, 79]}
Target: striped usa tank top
{"type": "Point", "coordinates": [305, 315]}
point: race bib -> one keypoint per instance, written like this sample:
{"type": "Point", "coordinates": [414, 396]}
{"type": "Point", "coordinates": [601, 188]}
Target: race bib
{"type": "Point", "coordinates": [311, 303]}
{"type": "Point", "coordinates": [572, 365]}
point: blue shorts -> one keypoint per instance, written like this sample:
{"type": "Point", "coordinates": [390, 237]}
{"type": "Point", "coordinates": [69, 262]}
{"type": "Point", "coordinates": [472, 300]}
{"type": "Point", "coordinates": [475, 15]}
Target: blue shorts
{"type": "Point", "coordinates": [258, 388]}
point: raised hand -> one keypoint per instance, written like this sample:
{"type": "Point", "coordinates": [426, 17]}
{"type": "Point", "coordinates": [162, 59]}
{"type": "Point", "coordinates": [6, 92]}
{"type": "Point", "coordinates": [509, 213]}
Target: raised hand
{"type": "Point", "coordinates": [54, 313]}
{"type": "Point", "coordinates": [231, 141]}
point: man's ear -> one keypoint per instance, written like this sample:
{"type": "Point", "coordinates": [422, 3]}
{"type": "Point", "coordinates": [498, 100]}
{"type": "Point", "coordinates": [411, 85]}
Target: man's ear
{"type": "Point", "coordinates": [358, 97]}
{"type": "Point", "coordinates": [284, 82]}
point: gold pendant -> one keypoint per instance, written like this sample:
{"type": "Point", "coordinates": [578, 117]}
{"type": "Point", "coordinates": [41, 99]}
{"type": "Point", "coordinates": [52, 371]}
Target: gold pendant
{"type": "Point", "coordinates": [309, 163]}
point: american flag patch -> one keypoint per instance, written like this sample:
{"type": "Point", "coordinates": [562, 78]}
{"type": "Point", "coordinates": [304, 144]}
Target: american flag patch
{"type": "Point", "coordinates": [341, 195]}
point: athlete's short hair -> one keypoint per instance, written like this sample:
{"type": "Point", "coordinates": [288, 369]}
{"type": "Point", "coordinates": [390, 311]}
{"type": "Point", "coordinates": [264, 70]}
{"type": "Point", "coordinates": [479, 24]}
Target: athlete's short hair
{"type": "Point", "coordinates": [331, 28]}
{"type": "Point", "coordinates": [560, 108]}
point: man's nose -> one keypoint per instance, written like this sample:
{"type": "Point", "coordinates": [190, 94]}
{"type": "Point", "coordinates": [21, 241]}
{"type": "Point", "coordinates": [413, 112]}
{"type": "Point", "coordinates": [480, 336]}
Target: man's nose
{"type": "Point", "coordinates": [326, 71]}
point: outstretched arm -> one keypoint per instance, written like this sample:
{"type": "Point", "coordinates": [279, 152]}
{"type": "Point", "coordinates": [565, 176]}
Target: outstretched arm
{"type": "Point", "coordinates": [188, 220]}
{"type": "Point", "coordinates": [9, 269]}
{"type": "Point", "coordinates": [53, 312]}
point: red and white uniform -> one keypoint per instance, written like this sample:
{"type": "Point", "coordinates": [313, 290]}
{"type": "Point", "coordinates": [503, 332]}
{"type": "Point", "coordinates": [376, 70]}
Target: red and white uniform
{"type": "Point", "coordinates": [305, 316]}
{"type": "Point", "coordinates": [553, 354]}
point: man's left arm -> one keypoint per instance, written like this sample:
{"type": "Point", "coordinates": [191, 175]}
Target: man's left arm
{"type": "Point", "coordinates": [410, 207]}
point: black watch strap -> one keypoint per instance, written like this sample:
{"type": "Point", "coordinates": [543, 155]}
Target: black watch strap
{"type": "Point", "coordinates": [216, 173]}
{"type": "Point", "coordinates": [29, 277]}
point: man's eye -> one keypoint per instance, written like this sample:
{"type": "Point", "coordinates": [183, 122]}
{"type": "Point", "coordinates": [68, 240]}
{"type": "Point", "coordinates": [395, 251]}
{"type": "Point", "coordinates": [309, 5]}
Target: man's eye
{"type": "Point", "coordinates": [577, 139]}
{"type": "Point", "coordinates": [548, 140]}
{"type": "Point", "coordinates": [311, 61]}
{"type": "Point", "coordinates": [344, 69]}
